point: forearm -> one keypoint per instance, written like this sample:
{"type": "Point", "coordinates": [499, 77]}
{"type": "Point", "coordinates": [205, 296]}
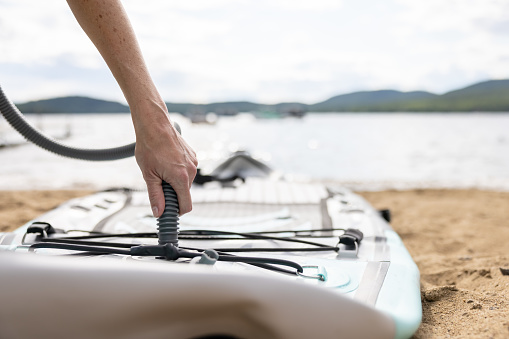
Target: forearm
{"type": "Point", "coordinates": [160, 151]}
{"type": "Point", "coordinates": [108, 27]}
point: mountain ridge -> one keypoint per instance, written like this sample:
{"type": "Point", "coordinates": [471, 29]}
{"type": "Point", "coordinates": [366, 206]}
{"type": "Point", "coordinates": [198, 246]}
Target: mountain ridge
{"type": "Point", "coordinates": [490, 95]}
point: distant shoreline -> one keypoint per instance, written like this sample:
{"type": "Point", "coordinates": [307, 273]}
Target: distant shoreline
{"type": "Point", "coordinates": [339, 113]}
{"type": "Point", "coordinates": [488, 96]}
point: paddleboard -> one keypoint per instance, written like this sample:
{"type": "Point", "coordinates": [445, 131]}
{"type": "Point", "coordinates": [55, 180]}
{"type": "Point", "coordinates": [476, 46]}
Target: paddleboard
{"type": "Point", "coordinates": [357, 279]}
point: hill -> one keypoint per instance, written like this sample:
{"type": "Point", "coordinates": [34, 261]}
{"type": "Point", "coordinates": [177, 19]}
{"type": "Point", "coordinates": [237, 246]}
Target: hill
{"type": "Point", "coordinates": [368, 101]}
{"type": "Point", "coordinates": [74, 104]}
{"type": "Point", "coordinates": [222, 108]}
{"type": "Point", "coordinates": [489, 96]}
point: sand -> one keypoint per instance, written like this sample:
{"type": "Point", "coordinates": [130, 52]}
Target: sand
{"type": "Point", "coordinates": [460, 241]}
{"type": "Point", "coordinates": [458, 238]}
{"type": "Point", "coordinates": [19, 207]}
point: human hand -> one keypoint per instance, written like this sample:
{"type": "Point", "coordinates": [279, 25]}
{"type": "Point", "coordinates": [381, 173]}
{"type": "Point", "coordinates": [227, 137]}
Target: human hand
{"type": "Point", "coordinates": [162, 154]}
{"type": "Point", "coordinates": [160, 151]}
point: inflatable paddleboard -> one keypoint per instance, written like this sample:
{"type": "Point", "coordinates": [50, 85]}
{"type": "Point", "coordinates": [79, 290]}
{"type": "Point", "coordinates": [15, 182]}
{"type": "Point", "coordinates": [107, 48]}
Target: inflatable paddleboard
{"type": "Point", "coordinates": [257, 258]}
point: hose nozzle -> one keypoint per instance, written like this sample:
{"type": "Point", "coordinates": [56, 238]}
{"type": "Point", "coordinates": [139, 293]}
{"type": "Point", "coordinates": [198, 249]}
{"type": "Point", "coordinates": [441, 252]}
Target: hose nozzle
{"type": "Point", "coordinates": [168, 221]}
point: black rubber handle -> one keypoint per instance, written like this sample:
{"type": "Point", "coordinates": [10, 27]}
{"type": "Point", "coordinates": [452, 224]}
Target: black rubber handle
{"type": "Point", "coordinates": [168, 222]}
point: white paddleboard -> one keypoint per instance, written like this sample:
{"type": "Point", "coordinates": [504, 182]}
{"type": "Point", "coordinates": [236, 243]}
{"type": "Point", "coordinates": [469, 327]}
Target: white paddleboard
{"type": "Point", "coordinates": [357, 289]}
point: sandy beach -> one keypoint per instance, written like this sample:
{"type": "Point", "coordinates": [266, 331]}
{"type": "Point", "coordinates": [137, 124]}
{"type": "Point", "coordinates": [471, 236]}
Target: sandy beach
{"type": "Point", "coordinates": [458, 238]}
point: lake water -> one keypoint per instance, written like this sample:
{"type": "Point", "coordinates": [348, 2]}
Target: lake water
{"type": "Point", "coordinates": [362, 151]}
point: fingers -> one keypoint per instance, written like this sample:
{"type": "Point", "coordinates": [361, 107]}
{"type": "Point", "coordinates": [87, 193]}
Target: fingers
{"type": "Point", "coordinates": [181, 182]}
{"type": "Point", "coordinates": [181, 179]}
{"type": "Point", "coordinates": [156, 196]}
{"type": "Point", "coordinates": [184, 199]}
{"type": "Point", "coordinates": [191, 152]}
{"type": "Point", "coordinates": [166, 156]}
{"type": "Point", "coordinates": [192, 172]}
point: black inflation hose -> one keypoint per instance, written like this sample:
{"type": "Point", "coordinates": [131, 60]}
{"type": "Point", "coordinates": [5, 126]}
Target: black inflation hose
{"type": "Point", "coordinates": [20, 124]}
{"type": "Point", "coordinates": [167, 222]}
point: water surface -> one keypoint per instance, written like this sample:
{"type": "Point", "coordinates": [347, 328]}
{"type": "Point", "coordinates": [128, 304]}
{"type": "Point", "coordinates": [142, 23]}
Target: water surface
{"type": "Point", "coordinates": [363, 151]}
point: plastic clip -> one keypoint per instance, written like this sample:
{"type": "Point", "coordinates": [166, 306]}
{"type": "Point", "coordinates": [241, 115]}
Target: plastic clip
{"type": "Point", "coordinates": [351, 237]}
{"type": "Point", "coordinates": [208, 257]}
{"type": "Point", "coordinates": [320, 275]}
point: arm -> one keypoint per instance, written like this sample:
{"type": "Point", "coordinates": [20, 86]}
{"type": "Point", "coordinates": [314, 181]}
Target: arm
{"type": "Point", "coordinates": [160, 151]}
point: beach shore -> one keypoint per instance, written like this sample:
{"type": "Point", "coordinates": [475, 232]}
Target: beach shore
{"type": "Point", "coordinates": [458, 238]}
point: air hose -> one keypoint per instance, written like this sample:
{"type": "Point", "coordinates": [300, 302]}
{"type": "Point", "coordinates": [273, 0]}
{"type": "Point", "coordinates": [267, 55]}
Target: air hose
{"type": "Point", "coordinates": [20, 124]}
{"type": "Point", "coordinates": [167, 222]}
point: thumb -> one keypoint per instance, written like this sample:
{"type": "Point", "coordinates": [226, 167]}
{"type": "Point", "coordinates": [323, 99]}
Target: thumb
{"type": "Point", "coordinates": [156, 196]}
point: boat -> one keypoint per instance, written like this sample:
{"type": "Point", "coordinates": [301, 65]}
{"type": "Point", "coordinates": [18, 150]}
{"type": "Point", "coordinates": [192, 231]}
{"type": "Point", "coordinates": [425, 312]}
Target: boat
{"type": "Point", "coordinates": [258, 257]}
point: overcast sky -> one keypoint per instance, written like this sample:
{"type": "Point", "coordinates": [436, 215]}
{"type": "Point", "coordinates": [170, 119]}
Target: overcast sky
{"type": "Point", "coordinates": [261, 50]}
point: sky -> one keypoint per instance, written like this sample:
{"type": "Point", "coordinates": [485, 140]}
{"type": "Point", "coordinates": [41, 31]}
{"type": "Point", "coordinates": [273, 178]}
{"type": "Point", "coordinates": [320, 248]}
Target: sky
{"type": "Point", "coordinates": [261, 50]}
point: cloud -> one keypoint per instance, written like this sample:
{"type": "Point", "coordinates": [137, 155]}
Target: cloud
{"type": "Point", "coordinates": [302, 5]}
{"type": "Point", "coordinates": [464, 39]}
{"type": "Point", "coordinates": [264, 50]}
{"type": "Point", "coordinates": [36, 32]}
{"type": "Point", "coordinates": [457, 15]}
{"type": "Point", "coordinates": [24, 81]}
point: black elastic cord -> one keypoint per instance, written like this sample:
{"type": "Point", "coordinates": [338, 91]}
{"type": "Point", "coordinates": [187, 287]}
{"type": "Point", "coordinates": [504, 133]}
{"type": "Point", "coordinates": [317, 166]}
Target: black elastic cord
{"type": "Point", "coordinates": [204, 233]}
{"type": "Point", "coordinates": [256, 236]}
{"type": "Point", "coordinates": [171, 252]}
{"type": "Point", "coordinates": [296, 232]}
{"type": "Point", "coordinates": [87, 243]}
{"type": "Point", "coordinates": [320, 248]}
{"type": "Point", "coordinates": [278, 249]}
{"type": "Point", "coordinates": [114, 235]}
{"type": "Point", "coordinates": [236, 249]}
{"type": "Point", "coordinates": [84, 248]}
{"type": "Point", "coordinates": [272, 268]}
{"type": "Point", "coordinates": [256, 260]}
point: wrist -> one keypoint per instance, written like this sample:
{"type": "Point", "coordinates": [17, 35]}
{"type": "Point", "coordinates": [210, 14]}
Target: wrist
{"type": "Point", "coordinates": [147, 112]}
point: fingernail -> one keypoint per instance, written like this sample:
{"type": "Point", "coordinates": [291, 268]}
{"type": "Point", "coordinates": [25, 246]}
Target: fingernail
{"type": "Point", "coordinates": [155, 211]}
